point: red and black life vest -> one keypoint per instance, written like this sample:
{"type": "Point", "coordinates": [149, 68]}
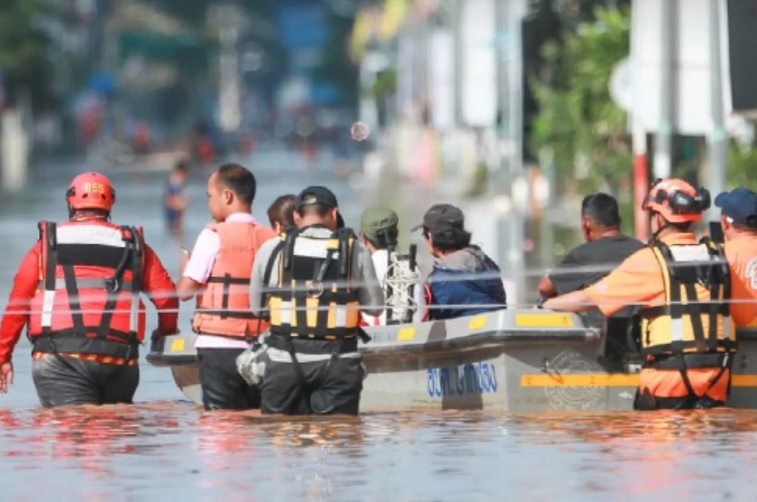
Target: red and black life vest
{"type": "Point", "coordinates": [88, 298]}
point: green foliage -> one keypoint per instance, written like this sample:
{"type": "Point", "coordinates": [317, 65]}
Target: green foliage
{"type": "Point", "coordinates": [385, 84]}
{"type": "Point", "coordinates": [742, 166]}
{"type": "Point", "coordinates": [24, 49]}
{"type": "Point", "coordinates": [578, 120]}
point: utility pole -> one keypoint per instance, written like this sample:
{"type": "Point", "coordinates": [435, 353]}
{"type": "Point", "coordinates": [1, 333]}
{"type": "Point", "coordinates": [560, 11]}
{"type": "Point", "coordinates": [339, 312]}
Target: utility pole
{"type": "Point", "coordinates": [717, 139]}
{"type": "Point", "coordinates": [668, 49]}
{"type": "Point", "coordinates": [457, 65]}
{"type": "Point", "coordinates": [229, 92]}
{"type": "Point", "coordinates": [517, 12]}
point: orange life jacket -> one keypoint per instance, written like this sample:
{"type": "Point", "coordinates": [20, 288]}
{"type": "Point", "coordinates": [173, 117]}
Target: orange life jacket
{"type": "Point", "coordinates": [88, 298]}
{"type": "Point", "coordinates": [223, 308]}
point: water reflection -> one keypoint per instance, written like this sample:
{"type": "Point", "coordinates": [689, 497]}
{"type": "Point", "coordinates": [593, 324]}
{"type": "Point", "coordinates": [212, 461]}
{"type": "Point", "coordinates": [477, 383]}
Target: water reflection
{"type": "Point", "coordinates": [654, 454]}
{"type": "Point", "coordinates": [424, 456]}
{"type": "Point", "coordinates": [331, 432]}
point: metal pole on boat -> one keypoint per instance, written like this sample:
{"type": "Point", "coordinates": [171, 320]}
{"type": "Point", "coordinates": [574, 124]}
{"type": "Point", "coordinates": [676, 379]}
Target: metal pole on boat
{"type": "Point", "coordinates": [718, 138]}
{"type": "Point", "coordinates": [668, 48]}
{"type": "Point", "coordinates": [509, 179]}
{"type": "Point", "coordinates": [517, 11]}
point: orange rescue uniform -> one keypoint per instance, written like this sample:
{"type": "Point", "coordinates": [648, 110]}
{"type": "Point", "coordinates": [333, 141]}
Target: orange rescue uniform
{"type": "Point", "coordinates": [742, 257]}
{"type": "Point", "coordinates": [639, 280]}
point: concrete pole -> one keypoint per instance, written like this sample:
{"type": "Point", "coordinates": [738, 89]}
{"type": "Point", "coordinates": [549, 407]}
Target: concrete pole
{"type": "Point", "coordinates": [516, 11]}
{"type": "Point", "coordinates": [229, 92]}
{"type": "Point", "coordinates": [14, 150]}
{"type": "Point", "coordinates": [668, 49]}
{"type": "Point", "coordinates": [718, 141]}
{"type": "Point", "coordinates": [457, 65]}
{"type": "Point", "coordinates": [501, 37]}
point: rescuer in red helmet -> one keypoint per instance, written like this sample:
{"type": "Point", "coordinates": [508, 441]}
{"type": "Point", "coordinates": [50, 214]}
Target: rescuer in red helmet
{"type": "Point", "coordinates": [78, 291]}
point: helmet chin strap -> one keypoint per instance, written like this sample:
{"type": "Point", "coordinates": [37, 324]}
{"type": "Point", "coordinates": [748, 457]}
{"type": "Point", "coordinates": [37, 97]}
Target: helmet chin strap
{"type": "Point", "coordinates": [653, 238]}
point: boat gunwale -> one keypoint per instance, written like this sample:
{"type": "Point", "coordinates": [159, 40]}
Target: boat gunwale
{"type": "Point", "coordinates": [475, 341]}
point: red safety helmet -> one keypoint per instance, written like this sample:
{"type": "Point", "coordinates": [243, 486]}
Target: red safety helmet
{"type": "Point", "coordinates": [91, 191]}
{"type": "Point", "coordinates": [676, 200]}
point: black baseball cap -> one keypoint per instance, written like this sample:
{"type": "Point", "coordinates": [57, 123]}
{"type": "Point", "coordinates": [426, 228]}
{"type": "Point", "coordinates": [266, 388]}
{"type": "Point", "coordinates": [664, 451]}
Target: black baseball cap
{"type": "Point", "coordinates": [442, 217]}
{"type": "Point", "coordinates": [315, 195]}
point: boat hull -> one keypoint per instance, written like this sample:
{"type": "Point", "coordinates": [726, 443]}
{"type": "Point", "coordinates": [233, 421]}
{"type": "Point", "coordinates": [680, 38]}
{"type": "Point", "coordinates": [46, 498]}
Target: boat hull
{"type": "Point", "coordinates": [510, 360]}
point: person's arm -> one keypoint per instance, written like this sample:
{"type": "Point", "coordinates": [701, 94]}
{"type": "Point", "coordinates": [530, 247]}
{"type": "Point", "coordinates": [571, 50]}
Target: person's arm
{"type": "Point", "coordinates": [576, 301]}
{"type": "Point", "coordinates": [257, 285]}
{"type": "Point", "coordinates": [546, 287]}
{"type": "Point", "coordinates": [568, 275]}
{"type": "Point", "coordinates": [743, 305]}
{"type": "Point", "coordinates": [160, 289]}
{"type": "Point", "coordinates": [743, 308]}
{"type": "Point", "coordinates": [370, 292]}
{"type": "Point", "coordinates": [17, 311]}
{"type": "Point", "coordinates": [200, 264]}
{"type": "Point", "coordinates": [637, 280]}
{"type": "Point", "coordinates": [439, 291]}
{"type": "Point", "coordinates": [419, 294]}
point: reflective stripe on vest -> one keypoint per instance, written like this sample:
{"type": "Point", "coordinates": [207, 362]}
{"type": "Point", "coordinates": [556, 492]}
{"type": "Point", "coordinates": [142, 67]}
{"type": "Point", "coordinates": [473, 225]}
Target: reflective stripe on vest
{"type": "Point", "coordinates": [695, 317]}
{"type": "Point", "coordinates": [83, 234]}
{"type": "Point", "coordinates": [315, 297]}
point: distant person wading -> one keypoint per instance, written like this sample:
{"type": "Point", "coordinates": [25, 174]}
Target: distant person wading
{"type": "Point", "coordinates": [175, 199]}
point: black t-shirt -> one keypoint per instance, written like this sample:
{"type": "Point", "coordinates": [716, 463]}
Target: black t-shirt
{"type": "Point", "coordinates": [589, 262]}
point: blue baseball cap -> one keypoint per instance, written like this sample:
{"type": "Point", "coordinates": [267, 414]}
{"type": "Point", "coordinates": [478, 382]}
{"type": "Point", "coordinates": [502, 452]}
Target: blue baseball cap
{"type": "Point", "coordinates": [740, 204]}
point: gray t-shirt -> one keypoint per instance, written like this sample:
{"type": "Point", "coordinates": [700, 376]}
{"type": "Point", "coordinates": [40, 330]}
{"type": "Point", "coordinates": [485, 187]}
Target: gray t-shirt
{"type": "Point", "coordinates": [370, 293]}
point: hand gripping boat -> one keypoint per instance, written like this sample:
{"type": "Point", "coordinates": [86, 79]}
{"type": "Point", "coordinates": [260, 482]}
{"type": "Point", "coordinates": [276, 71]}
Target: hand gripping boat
{"type": "Point", "coordinates": [510, 360]}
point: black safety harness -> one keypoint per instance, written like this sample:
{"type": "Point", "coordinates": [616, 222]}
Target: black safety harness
{"type": "Point", "coordinates": [706, 350]}
{"type": "Point", "coordinates": [77, 339]}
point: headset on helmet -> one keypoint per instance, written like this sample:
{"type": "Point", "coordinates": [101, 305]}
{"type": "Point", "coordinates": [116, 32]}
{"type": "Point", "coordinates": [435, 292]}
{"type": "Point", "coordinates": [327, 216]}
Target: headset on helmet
{"type": "Point", "coordinates": [91, 191]}
{"type": "Point", "coordinates": [676, 200]}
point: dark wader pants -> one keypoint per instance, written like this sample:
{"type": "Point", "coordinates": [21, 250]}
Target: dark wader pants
{"type": "Point", "coordinates": [332, 386]}
{"type": "Point", "coordinates": [222, 386]}
{"type": "Point", "coordinates": [62, 380]}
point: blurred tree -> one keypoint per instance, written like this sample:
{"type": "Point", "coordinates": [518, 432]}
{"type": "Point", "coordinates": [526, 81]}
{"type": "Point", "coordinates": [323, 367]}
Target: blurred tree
{"type": "Point", "coordinates": [190, 11]}
{"type": "Point", "coordinates": [548, 21]}
{"type": "Point", "coordinates": [25, 50]}
{"type": "Point", "coordinates": [584, 131]}
{"type": "Point", "coordinates": [742, 165]}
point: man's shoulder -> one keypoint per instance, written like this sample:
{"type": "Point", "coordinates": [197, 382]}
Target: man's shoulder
{"type": "Point", "coordinates": [269, 245]}
{"type": "Point", "coordinates": [742, 245]}
{"type": "Point", "coordinates": [607, 247]}
{"type": "Point", "coordinates": [626, 240]}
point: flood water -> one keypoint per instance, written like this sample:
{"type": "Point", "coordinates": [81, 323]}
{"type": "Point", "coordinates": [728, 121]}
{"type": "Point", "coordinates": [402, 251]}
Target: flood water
{"type": "Point", "coordinates": [165, 448]}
